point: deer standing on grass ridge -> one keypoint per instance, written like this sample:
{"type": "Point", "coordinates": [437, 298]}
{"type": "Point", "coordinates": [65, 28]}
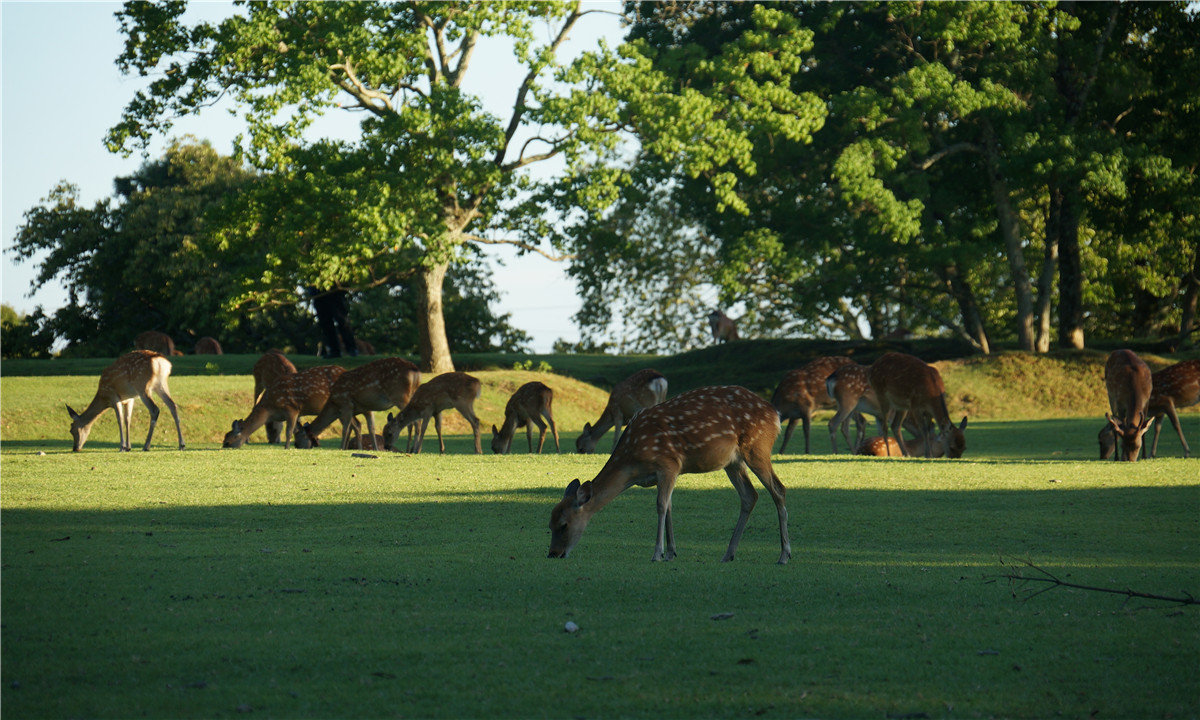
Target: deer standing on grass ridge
{"type": "Point", "coordinates": [378, 385]}
{"type": "Point", "coordinates": [269, 368]}
{"type": "Point", "coordinates": [699, 431]}
{"type": "Point", "coordinates": [449, 390]}
{"type": "Point", "coordinates": [526, 408]}
{"type": "Point", "coordinates": [906, 384]}
{"type": "Point", "coordinates": [287, 399]}
{"type": "Point", "coordinates": [133, 375]}
{"type": "Point", "coordinates": [155, 341]}
{"type": "Point", "coordinates": [802, 392]}
{"type": "Point", "coordinates": [724, 328]}
{"type": "Point", "coordinates": [1128, 381]}
{"type": "Point", "coordinates": [641, 390]}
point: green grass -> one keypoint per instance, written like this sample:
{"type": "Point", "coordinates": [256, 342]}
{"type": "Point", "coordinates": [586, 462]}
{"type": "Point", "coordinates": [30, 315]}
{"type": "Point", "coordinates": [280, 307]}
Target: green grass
{"type": "Point", "coordinates": [211, 583]}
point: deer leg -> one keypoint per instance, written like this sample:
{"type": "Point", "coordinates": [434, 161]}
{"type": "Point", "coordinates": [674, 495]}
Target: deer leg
{"type": "Point", "coordinates": [370, 430]}
{"type": "Point", "coordinates": [618, 424]}
{"type": "Point", "coordinates": [469, 414]}
{"type": "Point", "coordinates": [541, 426]}
{"type": "Point", "coordinates": [664, 545]}
{"type": "Point", "coordinates": [766, 475]}
{"type": "Point", "coordinates": [787, 434]}
{"type": "Point", "coordinates": [166, 398]}
{"type": "Point", "coordinates": [123, 423]}
{"type": "Point", "coordinates": [860, 429]}
{"type": "Point", "coordinates": [739, 475]}
{"type": "Point", "coordinates": [553, 429]}
{"type": "Point", "coordinates": [153, 410]}
{"type": "Point", "coordinates": [807, 420]}
{"type": "Point", "coordinates": [437, 425]}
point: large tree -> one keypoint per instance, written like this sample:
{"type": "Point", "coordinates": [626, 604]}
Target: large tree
{"type": "Point", "coordinates": [430, 171]}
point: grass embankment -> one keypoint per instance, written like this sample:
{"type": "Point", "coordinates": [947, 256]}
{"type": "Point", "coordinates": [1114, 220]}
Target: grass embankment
{"type": "Point", "coordinates": [210, 583]}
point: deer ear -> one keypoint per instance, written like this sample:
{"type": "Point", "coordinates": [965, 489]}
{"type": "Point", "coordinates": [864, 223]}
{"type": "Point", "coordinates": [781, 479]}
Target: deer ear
{"type": "Point", "coordinates": [72, 413]}
{"type": "Point", "coordinates": [584, 495]}
{"type": "Point", "coordinates": [572, 489]}
{"type": "Point", "coordinates": [963, 424]}
{"type": "Point", "coordinates": [587, 427]}
{"type": "Point", "coordinates": [495, 431]}
{"type": "Point", "coordinates": [389, 417]}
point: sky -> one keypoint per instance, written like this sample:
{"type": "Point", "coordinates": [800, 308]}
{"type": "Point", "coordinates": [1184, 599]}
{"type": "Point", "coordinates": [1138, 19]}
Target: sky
{"type": "Point", "coordinates": [62, 91]}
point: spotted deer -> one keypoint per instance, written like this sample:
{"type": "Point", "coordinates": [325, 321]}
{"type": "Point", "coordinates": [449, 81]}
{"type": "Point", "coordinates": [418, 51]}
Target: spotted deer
{"type": "Point", "coordinates": [723, 327]}
{"type": "Point", "coordinates": [288, 399]}
{"type": "Point", "coordinates": [850, 389]}
{"type": "Point", "coordinates": [526, 408]}
{"type": "Point", "coordinates": [641, 390]}
{"type": "Point", "coordinates": [1128, 381]}
{"type": "Point", "coordinates": [269, 368]}
{"type": "Point", "coordinates": [132, 376]}
{"type": "Point", "coordinates": [1174, 387]}
{"type": "Point", "coordinates": [449, 390]}
{"type": "Point", "coordinates": [377, 386]}
{"type": "Point", "coordinates": [802, 392]}
{"type": "Point", "coordinates": [699, 431]}
{"type": "Point", "coordinates": [907, 385]}
{"type": "Point", "coordinates": [890, 447]}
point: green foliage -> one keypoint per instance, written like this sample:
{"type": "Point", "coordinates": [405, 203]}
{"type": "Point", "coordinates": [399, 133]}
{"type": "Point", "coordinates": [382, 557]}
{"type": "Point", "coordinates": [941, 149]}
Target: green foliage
{"type": "Point", "coordinates": [23, 336]}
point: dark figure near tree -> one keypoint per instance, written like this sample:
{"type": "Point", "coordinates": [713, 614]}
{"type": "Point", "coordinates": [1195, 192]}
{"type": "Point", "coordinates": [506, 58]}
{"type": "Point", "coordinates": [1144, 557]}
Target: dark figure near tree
{"type": "Point", "coordinates": [334, 320]}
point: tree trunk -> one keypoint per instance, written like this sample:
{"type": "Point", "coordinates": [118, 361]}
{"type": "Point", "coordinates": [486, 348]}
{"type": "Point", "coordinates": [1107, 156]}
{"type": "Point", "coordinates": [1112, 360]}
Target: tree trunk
{"type": "Point", "coordinates": [1191, 283]}
{"type": "Point", "coordinates": [431, 322]}
{"type": "Point", "coordinates": [1045, 285]}
{"type": "Point", "coordinates": [1070, 274]}
{"type": "Point", "coordinates": [1010, 231]}
{"type": "Point", "coordinates": [972, 321]}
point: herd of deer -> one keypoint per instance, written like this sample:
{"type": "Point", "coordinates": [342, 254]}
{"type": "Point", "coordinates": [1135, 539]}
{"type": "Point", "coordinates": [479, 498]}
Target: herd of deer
{"type": "Point", "coordinates": [698, 431]}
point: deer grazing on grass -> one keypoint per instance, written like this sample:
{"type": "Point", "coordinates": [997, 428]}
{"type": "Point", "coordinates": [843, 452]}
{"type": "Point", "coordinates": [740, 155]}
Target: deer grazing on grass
{"type": "Point", "coordinates": [699, 431]}
{"type": "Point", "coordinates": [850, 389]}
{"type": "Point", "coordinates": [132, 376]}
{"type": "Point", "coordinates": [287, 399]}
{"type": "Point", "coordinates": [889, 447]}
{"type": "Point", "coordinates": [641, 390]}
{"type": "Point", "coordinates": [448, 390]}
{"type": "Point", "coordinates": [1128, 382]}
{"type": "Point", "coordinates": [1177, 386]}
{"type": "Point", "coordinates": [379, 385]}
{"type": "Point", "coordinates": [723, 327]}
{"type": "Point", "coordinates": [802, 392]}
{"type": "Point", "coordinates": [269, 368]}
{"type": "Point", "coordinates": [526, 408]}
{"type": "Point", "coordinates": [907, 385]}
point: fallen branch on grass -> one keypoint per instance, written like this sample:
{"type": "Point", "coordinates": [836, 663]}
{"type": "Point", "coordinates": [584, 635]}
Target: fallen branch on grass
{"type": "Point", "coordinates": [1045, 576]}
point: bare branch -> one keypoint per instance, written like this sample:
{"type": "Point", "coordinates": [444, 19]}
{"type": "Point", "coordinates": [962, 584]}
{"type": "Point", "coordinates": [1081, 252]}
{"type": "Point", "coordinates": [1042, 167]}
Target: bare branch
{"type": "Point", "coordinates": [1045, 576]}
{"type": "Point", "coordinates": [521, 244]}
{"type": "Point", "coordinates": [367, 98]}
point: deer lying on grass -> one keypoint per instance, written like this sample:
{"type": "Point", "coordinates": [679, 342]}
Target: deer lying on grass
{"type": "Point", "coordinates": [132, 376]}
{"type": "Point", "coordinates": [448, 390]}
{"type": "Point", "coordinates": [890, 447]}
{"type": "Point", "coordinates": [287, 399]}
{"type": "Point", "coordinates": [699, 431]}
{"type": "Point", "coordinates": [641, 390]}
{"type": "Point", "coordinates": [269, 368]}
{"type": "Point", "coordinates": [907, 385]}
{"type": "Point", "coordinates": [378, 385]}
{"type": "Point", "coordinates": [1128, 382]}
{"type": "Point", "coordinates": [802, 392]}
{"type": "Point", "coordinates": [723, 327]}
{"type": "Point", "coordinates": [526, 408]}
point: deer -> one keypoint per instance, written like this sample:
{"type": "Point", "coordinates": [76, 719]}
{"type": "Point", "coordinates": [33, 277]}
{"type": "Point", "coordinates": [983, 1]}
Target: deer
{"type": "Point", "coordinates": [287, 399]}
{"type": "Point", "coordinates": [131, 376]}
{"type": "Point", "coordinates": [850, 388]}
{"type": "Point", "coordinates": [267, 369]}
{"type": "Point", "coordinates": [802, 392]}
{"type": "Point", "coordinates": [1128, 381]}
{"type": "Point", "coordinates": [890, 447]}
{"type": "Point", "coordinates": [208, 346]}
{"type": "Point", "coordinates": [378, 385]}
{"type": "Point", "coordinates": [1177, 386]}
{"type": "Point", "coordinates": [449, 390]}
{"type": "Point", "coordinates": [526, 408]}
{"type": "Point", "coordinates": [155, 341]}
{"type": "Point", "coordinates": [906, 384]}
{"type": "Point", "coordinates": [699, 431]}
{"type": "Point", "coordinates": [723, 327]}
{"type": "Point", "coordinates": [641, 390]}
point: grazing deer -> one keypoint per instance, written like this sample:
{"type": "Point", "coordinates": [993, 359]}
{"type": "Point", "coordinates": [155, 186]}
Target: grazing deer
{"type": "Point", "coordinates": [641, 390]}
{"type": "Point", "coordinates": [850, 388]}
{"type": "Point", "coordinates": [890, 447]}
{"type": "Point", "coordinates": [287, 399]}
{"type": "Point", "coordinates": [723, 327]}
{"type": "Point", "coordinates": [448, 390]}
{"type": "Point", "coordinates": [1177, 386]}
{"type": "Point", "coordinates": [269, 368]}
{"type": "Point", "coordinates": [802, 392]}
{"type": "Point", "coordinates": [699, 431]}
{"type": "Point", "coordinates": [1128, 382]}
{"type": "Point", "coordinates": [906, 384]}
{"type": "Point", "coordinates": [155, 341]}
{"type": "Point", "coordinates": [526, 408]}
{"type": "Point", "coordinates": [378, 385]}
{"type": "Point", "coordinates": [208, 346]}
{"type": "Point", "coordinates": [132, 376]}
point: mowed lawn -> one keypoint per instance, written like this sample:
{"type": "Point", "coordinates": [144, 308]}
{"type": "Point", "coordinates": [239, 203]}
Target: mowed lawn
{"type": "Point", "coordinates": [210, 583]}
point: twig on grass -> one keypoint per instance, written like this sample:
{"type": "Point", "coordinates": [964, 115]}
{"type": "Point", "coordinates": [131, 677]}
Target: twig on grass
{"type": "Point", "coordinates": [1053, 581]}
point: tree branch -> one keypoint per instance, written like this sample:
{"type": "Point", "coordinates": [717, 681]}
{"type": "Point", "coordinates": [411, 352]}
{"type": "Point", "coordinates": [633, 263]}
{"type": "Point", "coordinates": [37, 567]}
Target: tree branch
{"type": "Point", "coordinates": [1045, 576]}
{"type": "Point", "coordinates": [521, 244]}
{"type": "Point", "coordinates": [946, 152]}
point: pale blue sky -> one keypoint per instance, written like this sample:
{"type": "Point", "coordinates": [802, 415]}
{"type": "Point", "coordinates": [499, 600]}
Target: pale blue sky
{"type": "Point", "coordinates": [62, 91]}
